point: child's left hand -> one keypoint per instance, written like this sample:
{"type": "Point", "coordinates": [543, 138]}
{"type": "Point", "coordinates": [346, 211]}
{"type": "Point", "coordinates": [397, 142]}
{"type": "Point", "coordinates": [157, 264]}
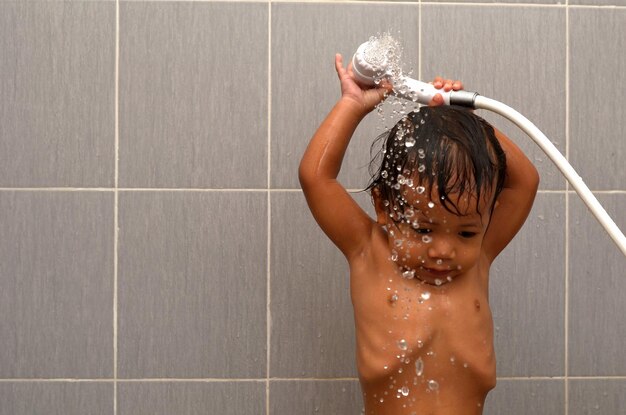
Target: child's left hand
{"type": "Point", "coordinates": [447, 85]}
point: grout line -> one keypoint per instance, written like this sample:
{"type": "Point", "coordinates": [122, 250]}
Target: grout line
{"type": "Point", "coordinates": [566, 256]}
{"type": "Point", "coordinates": [268, 315]}
{"type": "Point", "coordinates": [191, 190]}
{"type": "Point", "coordinates": [419, 40]}
{"type": "Point", "coordinates": [265, 380]}
{"type": "Point", "coordinates": [116, 200]}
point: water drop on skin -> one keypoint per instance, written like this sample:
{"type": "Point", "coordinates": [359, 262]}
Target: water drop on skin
{"type": "Point", "coordinates": [419, 367]}
{"type": "Point", "coordinates": [409, 274]}
{"type": "Point", "coordinates": [420, 189]}
{"type": "Point", "coordinates": [426, 239]}
{"type": "Point", "coordinates": [402, 344]}
{"type": "Point", "coordinates": [433, 385]}
{"type": "Point", "coordinates": [404, 391]}
{"type": "Point", "coordinates": [431, 205]}
{"type": "Point", "coordinates": [410, 142]}
{"type": "Point", "coordinates": [425, 296]}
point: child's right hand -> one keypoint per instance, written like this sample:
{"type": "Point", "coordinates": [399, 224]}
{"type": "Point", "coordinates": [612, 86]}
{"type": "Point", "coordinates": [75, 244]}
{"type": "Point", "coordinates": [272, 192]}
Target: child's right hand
{"type": "Point", "coordinates": [447, 85]}
{"type": "Point", "coordinates": [366, 97]}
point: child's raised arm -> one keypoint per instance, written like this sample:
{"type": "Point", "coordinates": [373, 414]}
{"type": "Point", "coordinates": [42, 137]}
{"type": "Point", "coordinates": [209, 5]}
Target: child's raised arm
{"type": "Point", "coordinates": [515, 200]}
{"type": "Point", "coordinates": [339, 216]}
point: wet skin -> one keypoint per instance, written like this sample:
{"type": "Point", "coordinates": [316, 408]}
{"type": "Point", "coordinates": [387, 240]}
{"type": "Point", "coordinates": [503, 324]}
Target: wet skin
{"type": "Point", "coordinates": [400, 320]}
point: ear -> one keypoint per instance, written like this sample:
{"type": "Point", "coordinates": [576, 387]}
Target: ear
{"type": "Point", "coordinates": [382, 217]}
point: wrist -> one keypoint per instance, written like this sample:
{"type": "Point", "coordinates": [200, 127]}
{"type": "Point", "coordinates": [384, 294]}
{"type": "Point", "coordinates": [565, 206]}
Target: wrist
{"type": "Point", "coordinates": [353, 106]}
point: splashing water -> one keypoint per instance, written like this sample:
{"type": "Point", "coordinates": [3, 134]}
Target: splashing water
{"type": "Point", "coordinates": [385, 51]}
{"type": "Point", "coordinates": [433, 385]}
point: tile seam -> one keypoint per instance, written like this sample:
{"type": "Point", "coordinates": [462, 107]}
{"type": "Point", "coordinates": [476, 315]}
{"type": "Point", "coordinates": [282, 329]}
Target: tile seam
{"type": "Point", "coordinates": [116, 205]}
{"type": "Point", "coordinates": [268, 315]}
{"type": "Point", "coordinates": [567, 187]}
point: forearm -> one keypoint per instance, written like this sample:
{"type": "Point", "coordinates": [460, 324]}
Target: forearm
{"type": "Point", "coordinates": [324, 154]}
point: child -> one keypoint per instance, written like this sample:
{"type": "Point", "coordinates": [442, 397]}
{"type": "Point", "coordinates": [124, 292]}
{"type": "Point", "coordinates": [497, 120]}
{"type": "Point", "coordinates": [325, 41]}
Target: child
{"type": "Point", "coordinates": [447, 201]}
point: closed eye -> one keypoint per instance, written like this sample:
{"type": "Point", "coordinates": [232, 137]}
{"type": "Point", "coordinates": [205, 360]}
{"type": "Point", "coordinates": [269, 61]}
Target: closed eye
{"type": "Point", "coordinates": [467, 234]}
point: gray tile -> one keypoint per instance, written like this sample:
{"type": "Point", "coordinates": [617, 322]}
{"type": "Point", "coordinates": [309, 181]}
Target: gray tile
{"type": "Point", "coordinates": [193, 398]}
{"type": "Point", "coordinates": [598, 3]}
{"type": "Point", "coordinates": [305, 38]}
{"type": "Point", "coordinates": [57, 119]}
{"type": "Point", "coordinates": [310, 305]}
{"type": "Point", "coordinates": [193, 104]}
{"type": "Point", "coordinates": [505, 57]}
{"type": "Point", "coordinates": [315, 397]}
{"type": "Point", "coordinates": [538, 2]}
{"type": "Point", "coordinates": [527, 294]}
{"type": "Point", "coordinates": [597, 79]}
{"type": "Point", "coordinates": [56, 398]}
{"type": "Point", "coordinates": [597, 396]}
{"type": "Point", "coordinates": [526, 397]}
{"type": "Point", "coordinates": [192, 284]}
{"type": "Point", "coordinates": [56, 284]}
{"type": "Point", "coordinates": [597, 288]}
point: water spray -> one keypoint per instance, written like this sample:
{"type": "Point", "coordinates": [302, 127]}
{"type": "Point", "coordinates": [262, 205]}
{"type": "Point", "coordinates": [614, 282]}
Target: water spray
{"type": "Point", "coordinates": [378, 59]}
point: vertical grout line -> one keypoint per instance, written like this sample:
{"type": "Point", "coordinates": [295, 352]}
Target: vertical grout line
{"type": "Point", "coordinates": [567, 117]}
{"type": "Point", "coordinates": [269, 203]}
{"type": "Point", "coordinates": [419, 39]}
{"type": "Point", "coordinates": [116, 201]}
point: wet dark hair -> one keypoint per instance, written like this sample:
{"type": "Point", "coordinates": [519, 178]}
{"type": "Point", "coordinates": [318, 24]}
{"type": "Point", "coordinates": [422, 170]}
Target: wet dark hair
{"type": "Point", "coordinates": [446, 146]}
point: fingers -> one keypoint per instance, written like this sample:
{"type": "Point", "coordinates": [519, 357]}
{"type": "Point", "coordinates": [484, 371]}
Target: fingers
{"type": "Point", "coordinates": [436, 101]}
{"type": "Point", "coordinates": [447, 84]}
{"type": "Point", "coordinates": [339, 64]}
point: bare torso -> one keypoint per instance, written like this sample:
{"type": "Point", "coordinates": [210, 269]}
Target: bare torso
{"type": "Point", "coordinates": [421, 348]}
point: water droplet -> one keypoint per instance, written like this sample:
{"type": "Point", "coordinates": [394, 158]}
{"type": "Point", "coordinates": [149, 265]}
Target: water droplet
{"type": "Point", "coordinates": [427, 239]}
{"type": "Point", "coordinates": [438, 281]}
{"type": "Point", "coordinates": [404, 391]}
{"type": "Point", "coordinates": [402, 344]}
{"type": "Point", "coordinates": [393, 298]}
{"type": "Point", "coordinates": [398, 242]}
{"type": "Point", "coordinates": [409, 213]}
{"type": "Point", "coordinates": [433, 385]}
{"type": "Point", "coordinates": [425, 295]}
{"type": "Point", "coordinates": [431, 205]}
{"type": "Point", "coordinates": [408, 274]}
{"type": "Point", "coordinates": [421, 168]}
{"type": "Point", "coordinates": [384, 174]}
{"type": "Point", "coordinates": [419, 366]}
{"type": "Point", "coordinates": [420, 189]}
{"type": "Point", "coordinates": [420, 344]}
{"type": "Point", "coordinates": [394, 256]}
{"type": "Point", "coordinates": [410, 142]}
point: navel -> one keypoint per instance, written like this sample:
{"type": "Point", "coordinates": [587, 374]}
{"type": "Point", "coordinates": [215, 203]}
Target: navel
{"type": "Point", "coordinates": [477, 305]}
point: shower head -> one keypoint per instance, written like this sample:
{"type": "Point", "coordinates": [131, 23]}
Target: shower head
{"type": "Point", "coordinates": [371, 64]}
{"type": "Point", "coordinates": [367, 66]}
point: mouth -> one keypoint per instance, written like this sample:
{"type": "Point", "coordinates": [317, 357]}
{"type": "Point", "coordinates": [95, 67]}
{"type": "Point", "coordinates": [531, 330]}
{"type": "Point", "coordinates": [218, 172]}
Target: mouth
{"type": "Point", "coordinates": [437, 272]}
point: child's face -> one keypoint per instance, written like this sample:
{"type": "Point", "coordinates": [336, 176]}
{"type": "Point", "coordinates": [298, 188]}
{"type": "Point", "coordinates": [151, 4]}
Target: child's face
{"type": "Point", "coordinates": [436, 245]}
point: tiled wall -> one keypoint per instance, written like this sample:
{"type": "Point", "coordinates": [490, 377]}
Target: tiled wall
{"type": "Point", "coordinates": [157, 255]}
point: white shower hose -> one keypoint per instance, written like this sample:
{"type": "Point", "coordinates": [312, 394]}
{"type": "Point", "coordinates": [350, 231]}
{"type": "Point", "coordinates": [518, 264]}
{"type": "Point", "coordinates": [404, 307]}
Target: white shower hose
{"type": "Point", "coordinates": [561, 162]}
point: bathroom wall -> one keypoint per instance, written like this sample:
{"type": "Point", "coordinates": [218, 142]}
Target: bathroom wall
{"type": "Point", "coordinates": [156, 252]}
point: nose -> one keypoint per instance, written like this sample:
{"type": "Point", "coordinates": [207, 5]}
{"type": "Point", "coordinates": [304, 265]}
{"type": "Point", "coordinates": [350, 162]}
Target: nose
{"type": "Point", "coordinates": [441, 248]}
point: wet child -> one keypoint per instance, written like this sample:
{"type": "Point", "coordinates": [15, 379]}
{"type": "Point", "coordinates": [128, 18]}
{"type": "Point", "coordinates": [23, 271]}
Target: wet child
{"type": "Point", "coordinates": [450, 193]}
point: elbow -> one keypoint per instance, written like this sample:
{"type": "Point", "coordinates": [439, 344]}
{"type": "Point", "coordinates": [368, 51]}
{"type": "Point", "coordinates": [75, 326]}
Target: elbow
{"type": "Point", "coordinates": [307, 176]}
